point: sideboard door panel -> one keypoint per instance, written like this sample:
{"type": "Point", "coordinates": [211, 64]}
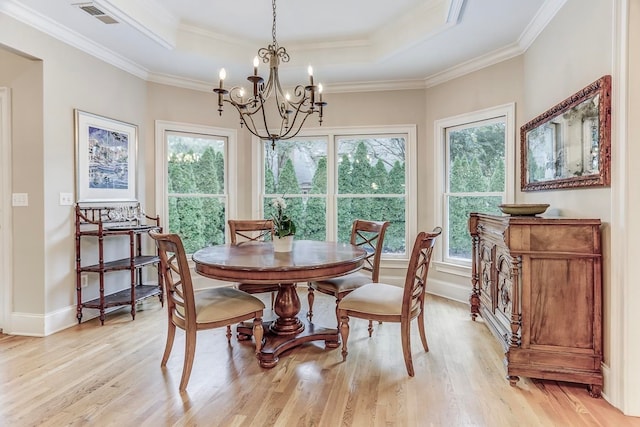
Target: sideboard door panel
{"type": "Point", "coordinates": [562, 303]}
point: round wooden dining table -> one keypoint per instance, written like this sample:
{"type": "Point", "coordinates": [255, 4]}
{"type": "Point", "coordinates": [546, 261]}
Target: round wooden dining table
{"type": "Point", "coordinates": [257, 263]}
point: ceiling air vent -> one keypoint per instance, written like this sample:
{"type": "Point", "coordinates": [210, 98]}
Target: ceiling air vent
{"type": "Point", "coordinates": [92, 10]}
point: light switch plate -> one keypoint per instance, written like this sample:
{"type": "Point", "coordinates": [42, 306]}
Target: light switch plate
{"type": "Point", "coordinates": [66, 199]}
{"type": "Point", "coordinates": [20, 199]}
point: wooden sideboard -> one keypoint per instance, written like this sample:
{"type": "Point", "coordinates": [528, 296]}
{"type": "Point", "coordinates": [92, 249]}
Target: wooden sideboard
{"type": "Point", "coordinates": [537, 283]}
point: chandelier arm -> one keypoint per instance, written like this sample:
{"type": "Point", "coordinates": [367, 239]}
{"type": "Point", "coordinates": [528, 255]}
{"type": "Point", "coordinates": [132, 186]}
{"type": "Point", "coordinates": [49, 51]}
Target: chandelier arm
{"type": "Point", "coordinates": [288, 135]}
{"type": "Point", "coordinates": [251, 125]}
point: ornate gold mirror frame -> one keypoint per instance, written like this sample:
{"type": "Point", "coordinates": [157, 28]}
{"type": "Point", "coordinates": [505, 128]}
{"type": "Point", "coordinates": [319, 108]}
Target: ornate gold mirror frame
{"type": "Point", "coordinates": [569, 145]}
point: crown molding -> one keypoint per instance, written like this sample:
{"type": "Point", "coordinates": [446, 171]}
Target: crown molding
{"type": "Point", "coordinates": [203, 86]}
{"type": "Point", "coordinates": [181, 82]}
{"type": "Point", "coordinates": [474, 64]}
{"type": "Point", "coordinates": [42, 23]}
{"type": "Point", "coordinates": [376, 86]}
{"type": "Point", "coordinates": [539, 22]}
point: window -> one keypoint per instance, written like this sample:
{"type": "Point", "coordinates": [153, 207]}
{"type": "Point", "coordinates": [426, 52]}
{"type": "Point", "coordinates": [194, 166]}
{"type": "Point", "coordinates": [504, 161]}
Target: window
{"type": "Point", "coordinates": [477, 173]}
{"type": "Point", "coordinates": [330, 180]}
{"type": "Point", "coordinates": [193, 199]}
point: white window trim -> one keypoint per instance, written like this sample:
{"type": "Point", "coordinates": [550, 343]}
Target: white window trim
{"type": "Point", "coordinates": [331, 133]}
{"type": "Point", "coordinates": [506, 110]}
{"type": "Point", "coordinates": [231, 164]}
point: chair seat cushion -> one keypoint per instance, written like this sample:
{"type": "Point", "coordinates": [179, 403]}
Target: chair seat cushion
{"type": "Point", "coordinates": [345, 283]}
{"type": "Point", "coordinates": [374, 298]}
{"type": "Point", "coordinates": [216, 304]}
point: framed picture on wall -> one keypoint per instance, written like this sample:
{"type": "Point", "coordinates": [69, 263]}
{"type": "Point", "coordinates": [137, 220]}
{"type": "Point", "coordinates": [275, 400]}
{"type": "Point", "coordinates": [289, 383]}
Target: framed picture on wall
{"type": "Point", "coordinates": [105, 158]}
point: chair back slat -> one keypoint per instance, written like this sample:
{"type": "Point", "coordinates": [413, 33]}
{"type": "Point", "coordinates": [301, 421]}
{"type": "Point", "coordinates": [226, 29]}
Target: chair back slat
{"type": "Point", "coordinates": [416, 280]}
{"type": "Point", "coordinates": [250, 230]}
{"type": "Point", "coordinates": [369, 235]}
{"type": "Point", "coordinates": [176, 276]}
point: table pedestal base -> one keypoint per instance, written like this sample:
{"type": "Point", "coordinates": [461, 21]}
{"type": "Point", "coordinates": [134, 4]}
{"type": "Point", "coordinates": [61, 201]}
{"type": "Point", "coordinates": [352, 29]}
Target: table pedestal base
{"type": "Point", "coordinates": [276, 344]}
{"type": "Point", "coordinates": [287, 330]}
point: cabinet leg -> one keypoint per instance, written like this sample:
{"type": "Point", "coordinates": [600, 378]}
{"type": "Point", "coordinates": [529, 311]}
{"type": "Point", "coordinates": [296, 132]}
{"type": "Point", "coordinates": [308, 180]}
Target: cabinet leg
{"type": "Point", "coordinates": [513, 379]}
{"type": "Point", "coordinates": [474, 302]}
{"type": "Point", "coordinates": [595, 390]}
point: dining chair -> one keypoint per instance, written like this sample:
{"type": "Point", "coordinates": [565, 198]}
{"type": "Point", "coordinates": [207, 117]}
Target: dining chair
{"type": "Point", "coordinates": [193, 311]}
{"type": "Point", "coordinates": [389, 303]}
{"type": "Point", "coordinates": [250, 230]}
{"type": "Point", "coordinates": [368, 235]}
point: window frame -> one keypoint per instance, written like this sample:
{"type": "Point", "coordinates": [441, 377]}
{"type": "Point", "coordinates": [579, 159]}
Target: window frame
{"type": "Point", "coordinates": [441, 261]}
{"type": "Point", "coordinates": [161, 164]}
{"type": "Point", "coordinates": [331, 134]}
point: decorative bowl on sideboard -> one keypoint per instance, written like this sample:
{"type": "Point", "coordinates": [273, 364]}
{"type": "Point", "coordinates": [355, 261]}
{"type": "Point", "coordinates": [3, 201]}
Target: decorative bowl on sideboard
{"type": "Point", "coordinates": [523, 209]}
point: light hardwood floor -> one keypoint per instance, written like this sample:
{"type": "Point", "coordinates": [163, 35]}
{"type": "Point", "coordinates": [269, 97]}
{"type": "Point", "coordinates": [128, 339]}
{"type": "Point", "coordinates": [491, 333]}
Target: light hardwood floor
{"type": "Point", "coordinates": [110, 376]}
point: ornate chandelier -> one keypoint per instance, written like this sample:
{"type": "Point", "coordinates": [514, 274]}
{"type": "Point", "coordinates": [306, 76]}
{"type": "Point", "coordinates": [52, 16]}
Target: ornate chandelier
{"type": "Point", "coordinates": [292, 110]}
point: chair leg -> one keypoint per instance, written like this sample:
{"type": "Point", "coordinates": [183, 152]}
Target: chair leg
{"type": "Point", "coordinates": [171, 333]}
{"type": "Point", "coordinates": [423, 336]}
{"type": "Point", "coordinates": [338, 299]}
{"type": "Point", "coordinates": [229, 334]}
{"type": "Point", "coordinates": [310, 298]}
{"type": "Point", "coordinates": [258, 333]}
{"type": "Point", "coordinates": [370, 328]}
{"type": "Point", "coordinates": [189, 353]}
{"type": "Point", "coordinates": [405, 332]}
{"type": "Point", "coordinates": [344, 332]}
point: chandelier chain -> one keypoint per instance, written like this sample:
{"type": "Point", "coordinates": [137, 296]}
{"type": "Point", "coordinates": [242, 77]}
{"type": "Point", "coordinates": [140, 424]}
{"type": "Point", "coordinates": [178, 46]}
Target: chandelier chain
{"type": "Point", "coordinates": [273, 30]}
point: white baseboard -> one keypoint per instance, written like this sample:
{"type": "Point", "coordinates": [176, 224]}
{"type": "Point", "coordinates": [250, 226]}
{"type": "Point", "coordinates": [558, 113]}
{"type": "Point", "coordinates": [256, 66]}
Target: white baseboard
{"type": "Point", "coordinates": [440, 288]}
{"type": "Point", "coordinates": [38, 325]}
{"type": "Point", "coordinates": [27, 324]}
{"type": "Point", "coordinates": [448, 290]}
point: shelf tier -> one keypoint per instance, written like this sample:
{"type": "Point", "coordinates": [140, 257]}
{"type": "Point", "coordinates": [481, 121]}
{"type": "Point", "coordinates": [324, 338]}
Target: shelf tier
{"type": "Point", "coordinates": [123, 297]}
{"type": "Point", "coordinates": [123, 264]}
{"type": "Point", "coordinates": [118, 230]}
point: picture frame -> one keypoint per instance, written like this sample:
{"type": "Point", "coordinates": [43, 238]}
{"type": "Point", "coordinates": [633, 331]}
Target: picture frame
{"type": "Point", "coordinates": [569, 145]}
{"type": "Point", "coordinates": [106, 153]}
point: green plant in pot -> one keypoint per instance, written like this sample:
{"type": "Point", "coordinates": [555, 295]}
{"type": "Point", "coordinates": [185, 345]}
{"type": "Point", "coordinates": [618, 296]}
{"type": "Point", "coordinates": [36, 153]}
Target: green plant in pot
{"type": "Point", "coordinates": [284, 225]}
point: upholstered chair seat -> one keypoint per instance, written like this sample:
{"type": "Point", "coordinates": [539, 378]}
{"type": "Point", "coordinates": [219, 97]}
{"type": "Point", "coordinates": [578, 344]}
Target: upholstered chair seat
{"type": "Point", "coordinates": [389, 303]}
{"type": "Point", "coordinates": [194, 311]}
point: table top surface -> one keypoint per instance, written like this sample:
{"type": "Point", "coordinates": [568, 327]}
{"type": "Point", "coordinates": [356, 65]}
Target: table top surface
{"type": "Point", "coordinates": [256, 262]}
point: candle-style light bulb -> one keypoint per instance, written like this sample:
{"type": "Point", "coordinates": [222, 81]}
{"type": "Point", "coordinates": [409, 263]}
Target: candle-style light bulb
{"type": "Point", "coordinates": [256, 62]}
{"type": "Point", "coordinates": [287, 96]}
{"type": "Point", "coordinates": [310, 70]}
{"type": "Point", "coordinates": [241, 93]}
{"type": "Point", "coordinates": [222, 75]}
{"type": "Point", "coordinates": [320, 90]}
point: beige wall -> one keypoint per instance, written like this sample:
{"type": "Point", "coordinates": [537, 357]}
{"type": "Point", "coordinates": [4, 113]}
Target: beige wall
{"type": "Point", "coordinates": [44, 97]}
